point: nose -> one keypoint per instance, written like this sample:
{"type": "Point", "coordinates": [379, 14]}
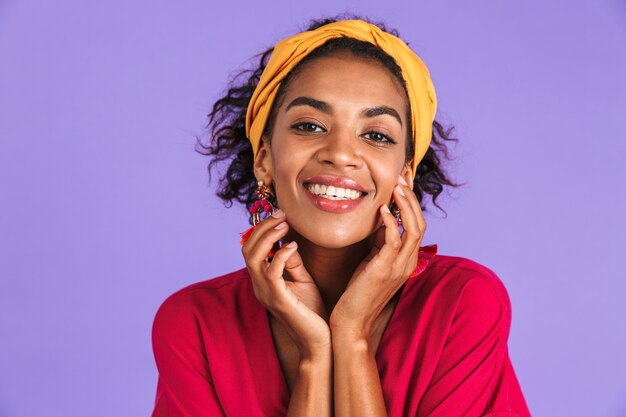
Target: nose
{"type": "Point", "coordinates": [340, 149]}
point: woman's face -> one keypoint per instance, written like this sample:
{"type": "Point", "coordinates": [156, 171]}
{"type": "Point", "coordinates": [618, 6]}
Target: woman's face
{"type": "Point", "coordinates": [341, 124]}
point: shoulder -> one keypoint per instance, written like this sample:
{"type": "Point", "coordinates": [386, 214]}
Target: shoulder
{"type": "Point", "coordinates": [470, 279]}
{"type": "Point", "coordinates": [185, 309]}
{"type": "Point", "coordinates": [470, 289]}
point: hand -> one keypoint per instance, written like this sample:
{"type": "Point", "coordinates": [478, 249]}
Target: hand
{"type": "Point", "coordinates": [383, 271]}
{"type": "Point", "coordinates": [296, 303]}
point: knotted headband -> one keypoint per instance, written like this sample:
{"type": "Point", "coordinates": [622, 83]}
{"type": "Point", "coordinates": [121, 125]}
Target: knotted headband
{"type": "Point", "coordinates": [290, 51]}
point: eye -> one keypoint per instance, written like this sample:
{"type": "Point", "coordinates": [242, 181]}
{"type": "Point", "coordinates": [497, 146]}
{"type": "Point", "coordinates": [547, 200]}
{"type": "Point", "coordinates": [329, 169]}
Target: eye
{"type": "Point", "coordinates": [306, 127]}
{"type": "Point", "coordinates": [379, 137]}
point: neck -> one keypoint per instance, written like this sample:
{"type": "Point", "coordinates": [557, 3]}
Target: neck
{"type": "Point", "coordinates": [331, 268]}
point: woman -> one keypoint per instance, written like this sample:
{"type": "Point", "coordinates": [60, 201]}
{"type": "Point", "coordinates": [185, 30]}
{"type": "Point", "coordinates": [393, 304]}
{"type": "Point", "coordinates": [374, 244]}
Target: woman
{"type": "Point", "coordinates": [339, 311]}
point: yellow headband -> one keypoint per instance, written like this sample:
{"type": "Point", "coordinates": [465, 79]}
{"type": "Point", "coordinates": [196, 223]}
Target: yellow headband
{"type": "Point", "coordinates": [289, 52]}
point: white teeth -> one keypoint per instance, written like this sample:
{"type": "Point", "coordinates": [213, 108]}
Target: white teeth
{"type": "Point", "coordinates": [334, 193]}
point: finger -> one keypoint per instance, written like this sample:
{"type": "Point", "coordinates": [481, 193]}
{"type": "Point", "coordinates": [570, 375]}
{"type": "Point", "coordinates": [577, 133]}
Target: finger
{"type": "Point", "coordinates": [268, 285]}
{"type": "Point", "coordinates": [379, 236]}
{"type": "Point", "coordinates": [275, 269]}
{"type": "Point", "coordinates": [295, 267]}
{"type": "Point", "coordinates": [420, 219]}
{"type": "Point", "coordinates": [267, 224]}
{"type": "Point", "coordinates": [419, 215]}
{"type": "Point", "coordinates": [404, 198]}
{"type": "Point", "coordinates": [410, 210]}
{"type": "Point", "coordinates": [393, 240]}
{"type": "Point", "coordinates": [412, 255]}
{"type": "Point", "coordinates": [417, 209]}
{"type": "Point", "coordinates": [256, 251]}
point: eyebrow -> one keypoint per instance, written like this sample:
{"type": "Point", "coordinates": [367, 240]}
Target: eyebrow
{"type": "Point", "coordinates": [327, 108]}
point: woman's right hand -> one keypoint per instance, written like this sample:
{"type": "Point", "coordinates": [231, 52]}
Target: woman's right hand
{"type": "Point", "coordinates": [296, 302]}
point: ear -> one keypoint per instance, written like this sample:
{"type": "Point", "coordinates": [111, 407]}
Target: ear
{"type": "Point", "coordinates": [407, 173]}
{"type": "Point", "coordinates": [263, 162]}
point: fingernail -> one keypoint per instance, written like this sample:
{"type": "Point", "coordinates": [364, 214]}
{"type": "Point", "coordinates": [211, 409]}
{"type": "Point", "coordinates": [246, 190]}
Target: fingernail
{"type": "Point", "coordinates": [399, 190]}
{"type": "Point", "coordinates": [402, 181]}
{"type": "Point", "coordinates": [291, 244]}
{"type": "Point", "coordinates": [280, 226]}
{"type": "Point", "coordinates": [278, 214]}
{"type": "Point", "coordinates": [386, 209]}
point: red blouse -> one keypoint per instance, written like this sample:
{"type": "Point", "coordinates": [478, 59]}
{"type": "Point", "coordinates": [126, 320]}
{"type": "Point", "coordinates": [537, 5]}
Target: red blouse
{"type": "Point", "coordinates": [443, 353]}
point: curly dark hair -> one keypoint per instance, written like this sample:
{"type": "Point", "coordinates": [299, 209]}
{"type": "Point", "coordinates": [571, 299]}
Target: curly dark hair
{"type": "Point", "coordinates": [227, 123]}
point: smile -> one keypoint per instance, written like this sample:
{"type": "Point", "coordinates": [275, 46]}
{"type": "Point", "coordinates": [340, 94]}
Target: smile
{"type": "Point", "coordinates": [333, 193]}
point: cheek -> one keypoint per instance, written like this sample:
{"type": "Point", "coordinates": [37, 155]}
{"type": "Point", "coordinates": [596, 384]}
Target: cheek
{"type": "Point", "coordinates": [387, 175]}
{"type": "Point", "coordinates": [387, 190]}
{"type": "Point", "coordinates": [282, 180]}
{"type": "Point", "coordinates": [288, 160]}
{"type": "Point", "coordinates": [286, 180]}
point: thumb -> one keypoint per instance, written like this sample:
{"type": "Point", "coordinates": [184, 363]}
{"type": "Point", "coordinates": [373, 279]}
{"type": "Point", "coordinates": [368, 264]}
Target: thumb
{"type": "Point", "coordinates": [295, 267]}
{"type": "Point", "coordinates": [379, 239]}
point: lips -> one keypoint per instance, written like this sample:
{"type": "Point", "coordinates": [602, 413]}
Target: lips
{"type": "Point", "coordinates": [334, 205]}
{"type": "Point", "coordinates": [333, 193]}
{"type": "Point", "coordinates": [341, 182]}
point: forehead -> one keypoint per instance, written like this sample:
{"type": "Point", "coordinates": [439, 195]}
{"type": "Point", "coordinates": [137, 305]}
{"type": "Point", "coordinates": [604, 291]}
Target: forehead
{"type": "Point", "coordinates": [345, 75]}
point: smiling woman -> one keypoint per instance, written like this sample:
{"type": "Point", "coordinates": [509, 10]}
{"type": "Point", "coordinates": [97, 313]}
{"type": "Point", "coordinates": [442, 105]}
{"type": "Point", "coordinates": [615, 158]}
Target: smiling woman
{"type": "Point", "coordinates": [352, 149]}
{"type": "Point", "coordinates": [338, 310]}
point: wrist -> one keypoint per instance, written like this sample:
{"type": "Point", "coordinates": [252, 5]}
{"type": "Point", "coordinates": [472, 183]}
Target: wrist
{"type": "Point", "coordinates": [355, 339]}
{"type": "Point", "coordinates": [316, 356]}
{"type": "Point", "coordinates": [350, 332]}
{"type": "Point", "coordinates": [350, 349]}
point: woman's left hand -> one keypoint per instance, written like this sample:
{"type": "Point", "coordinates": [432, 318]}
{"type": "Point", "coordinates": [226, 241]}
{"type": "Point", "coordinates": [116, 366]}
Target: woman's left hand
{"type": "Point", "coordinates": [383, 271]}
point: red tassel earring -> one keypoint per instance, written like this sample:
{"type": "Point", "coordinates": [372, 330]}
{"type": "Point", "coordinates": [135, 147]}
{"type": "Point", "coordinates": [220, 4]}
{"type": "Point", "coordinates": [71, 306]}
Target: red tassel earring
{"type": "Point", "coordinates": [261, 205]}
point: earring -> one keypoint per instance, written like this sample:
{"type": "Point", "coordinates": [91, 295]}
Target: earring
{"type": "Point", "coordinates": [260, 206]}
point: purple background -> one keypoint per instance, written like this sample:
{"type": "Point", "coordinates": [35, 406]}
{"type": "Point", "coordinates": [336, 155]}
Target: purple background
{"type": "Point", "coordinates": [106, 208]}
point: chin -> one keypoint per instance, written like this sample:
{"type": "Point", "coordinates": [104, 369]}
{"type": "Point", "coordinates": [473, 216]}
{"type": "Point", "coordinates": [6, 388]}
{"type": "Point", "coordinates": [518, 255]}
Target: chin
{"type": "Point", "coordinates": [331, 237]}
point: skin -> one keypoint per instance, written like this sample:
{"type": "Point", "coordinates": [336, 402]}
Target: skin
{"type": "Point", "coordinates": [331, 292]}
